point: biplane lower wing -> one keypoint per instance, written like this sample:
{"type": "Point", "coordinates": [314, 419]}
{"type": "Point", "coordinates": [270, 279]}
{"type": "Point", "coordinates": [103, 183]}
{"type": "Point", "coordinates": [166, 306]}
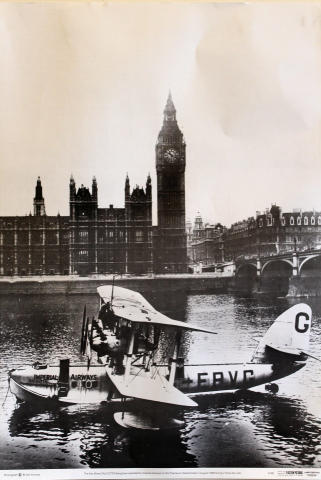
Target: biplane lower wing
{"type": "Point", "coordinates": [156, 389]}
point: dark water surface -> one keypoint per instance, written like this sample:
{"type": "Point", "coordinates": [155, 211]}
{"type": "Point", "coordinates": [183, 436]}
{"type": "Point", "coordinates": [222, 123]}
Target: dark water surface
{"type": "Point", "coordinates": [252, 429]}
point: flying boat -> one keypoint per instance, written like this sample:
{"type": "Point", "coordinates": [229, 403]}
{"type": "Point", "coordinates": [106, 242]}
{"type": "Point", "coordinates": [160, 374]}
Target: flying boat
{"type": "Point", "coordinates": [133, 363]}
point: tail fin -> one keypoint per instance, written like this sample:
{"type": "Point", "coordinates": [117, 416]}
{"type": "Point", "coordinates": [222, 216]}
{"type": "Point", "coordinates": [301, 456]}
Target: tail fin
{"type": "Point", "coordinates": [288, 338]}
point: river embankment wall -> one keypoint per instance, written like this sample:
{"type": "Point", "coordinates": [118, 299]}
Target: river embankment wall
{"type": "Point", "coordinates": [300, 286]}
{"type": "Point", "coordinates": [194, 283]}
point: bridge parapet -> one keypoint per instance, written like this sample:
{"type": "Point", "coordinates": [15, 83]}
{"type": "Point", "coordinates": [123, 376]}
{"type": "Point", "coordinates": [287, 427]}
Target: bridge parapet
{"type": "Point", "coordinates": [296, 260]}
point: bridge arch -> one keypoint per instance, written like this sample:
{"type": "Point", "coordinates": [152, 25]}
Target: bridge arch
{"type": "Point", "coordinates": [314, 262]}
{"type": "Point", "coordinates": [246, 278]}
{"type": "Point", "coordinates": [245, 267]}
{"type": "Point", "coordinates": [276, 260]}
{"type": "Point", "coordinates": [275, 276]}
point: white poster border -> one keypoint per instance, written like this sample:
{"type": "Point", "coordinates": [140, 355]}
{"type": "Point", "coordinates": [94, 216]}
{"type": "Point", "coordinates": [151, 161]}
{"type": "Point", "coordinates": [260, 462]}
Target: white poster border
{"type": "Point", "coordinates": [165, 473]}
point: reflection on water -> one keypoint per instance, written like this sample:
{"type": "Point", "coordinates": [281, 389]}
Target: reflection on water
{"type": "Point", "coordinates": [101, 442]}
{"type": "Point", "coordinates": [248, 429]}
{"type": "Point", "coordinates": [267, 430]}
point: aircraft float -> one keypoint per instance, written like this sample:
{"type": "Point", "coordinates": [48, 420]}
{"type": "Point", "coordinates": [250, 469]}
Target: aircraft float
{"type": "Point", "coordinates": [137, 363]}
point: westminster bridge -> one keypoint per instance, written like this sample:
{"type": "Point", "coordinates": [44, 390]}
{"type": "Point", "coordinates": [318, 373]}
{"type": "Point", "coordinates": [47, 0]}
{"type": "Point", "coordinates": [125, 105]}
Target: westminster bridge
{"type": "Point", "coordinates": [294, 273]}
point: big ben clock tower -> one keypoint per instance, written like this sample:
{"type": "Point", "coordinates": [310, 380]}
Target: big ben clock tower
{"type": "Point", "coordinates": [171, 251]}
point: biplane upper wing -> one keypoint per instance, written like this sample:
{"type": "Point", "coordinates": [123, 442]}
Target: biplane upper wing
{"type": "Point", "coordinates": [132, 306]}
{"type": "Point", "coordinates": [156, 389]}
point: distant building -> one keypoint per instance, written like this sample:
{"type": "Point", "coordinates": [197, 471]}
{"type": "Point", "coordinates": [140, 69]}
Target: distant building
{"type": "Point", "coordinates": [34, 245]}
{"type": "Point", "coordinates": [110, 240]}
{"type": "Point", "coordinates": [273, 232]}
{"type": "Point", "coordinates": [278, 231]}
{"type": "Point", "coordinates": [269, 233]}
{"type": "Point", "coordinates": [91, 240]}
{"type": "Point", "coordinates": [189, 239]}
{"type": "Point", "coordinates": [94, 240]}
{"type": "Point", "coordinates": [206, 244]}
{"type": "Point", "coordinates": [170, 239]}
{"type": "Point", "coordinates": [239, 239]}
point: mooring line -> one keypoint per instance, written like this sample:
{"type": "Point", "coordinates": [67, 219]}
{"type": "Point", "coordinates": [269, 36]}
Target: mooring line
{"type": "Point", "coordinates": [5, 398]}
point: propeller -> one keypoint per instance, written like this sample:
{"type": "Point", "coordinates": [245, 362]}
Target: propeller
{"type": "Point", "coordinates": [82, 341]}
{"type": "Point", "coordinates": [88, 343]}
{"type": "Point", "coordinates": [85, 337]}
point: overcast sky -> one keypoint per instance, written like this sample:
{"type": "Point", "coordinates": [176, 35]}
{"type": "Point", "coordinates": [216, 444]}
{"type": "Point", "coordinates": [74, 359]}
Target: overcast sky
{"type": "Point", "coordinates": [83, 87]}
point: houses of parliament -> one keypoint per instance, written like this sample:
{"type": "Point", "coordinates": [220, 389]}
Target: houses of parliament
{"type": "Point", "coordinates": [94, 240]}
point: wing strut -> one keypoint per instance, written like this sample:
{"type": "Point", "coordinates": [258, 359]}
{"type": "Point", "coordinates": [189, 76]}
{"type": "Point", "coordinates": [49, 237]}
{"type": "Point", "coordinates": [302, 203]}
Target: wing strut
{"type": "Point", "coordinates": [173, 366]}
{"type": "Point", "coordinates": [311, 356]}
{"type": "Point", "coordinates": [112, 292]}
{"type": "Point", "coordinates": [129, 353]}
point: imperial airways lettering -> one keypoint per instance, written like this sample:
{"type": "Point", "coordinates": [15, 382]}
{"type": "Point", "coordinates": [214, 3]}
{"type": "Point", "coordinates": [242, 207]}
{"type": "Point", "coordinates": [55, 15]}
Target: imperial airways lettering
{"type": "Point", "coordinates": [43, 378]}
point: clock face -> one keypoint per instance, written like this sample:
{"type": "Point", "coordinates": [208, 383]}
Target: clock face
{"type": "Point", "coordinates": [171, 155]}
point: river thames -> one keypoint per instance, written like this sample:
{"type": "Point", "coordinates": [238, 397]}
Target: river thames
{"type": "Point", "coordinates": [251, 429]}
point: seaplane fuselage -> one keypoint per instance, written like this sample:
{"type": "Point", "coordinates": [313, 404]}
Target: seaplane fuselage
{"type": "Point", "coordinates": [88, 386]}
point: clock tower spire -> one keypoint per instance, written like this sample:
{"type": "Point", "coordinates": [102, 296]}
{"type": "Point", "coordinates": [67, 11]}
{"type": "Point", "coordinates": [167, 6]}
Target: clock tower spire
{"type": "Point", "coordinates": [170, 111]}
{"type": "Point", "coordinates": [171, 253]}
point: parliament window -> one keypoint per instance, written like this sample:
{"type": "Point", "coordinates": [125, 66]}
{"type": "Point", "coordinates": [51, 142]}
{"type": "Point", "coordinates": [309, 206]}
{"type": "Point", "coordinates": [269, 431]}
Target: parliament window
{"type": "Point", "coordinates": [312, 221]}
{"type": "Point", "coordinates": [83, 235]}
{"type": "Point", "coordinates": [298, 220]}
{"type": "Point", "coordinates": [139, 236]}
{"type": "Point", "coordinates": [306, 221]}
{"type": "Point", "coordinates": [291, 221]}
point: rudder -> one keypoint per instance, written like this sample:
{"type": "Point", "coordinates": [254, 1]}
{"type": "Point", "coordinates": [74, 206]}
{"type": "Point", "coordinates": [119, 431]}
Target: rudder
{"type": "Point", "coordinates": [288, 338]}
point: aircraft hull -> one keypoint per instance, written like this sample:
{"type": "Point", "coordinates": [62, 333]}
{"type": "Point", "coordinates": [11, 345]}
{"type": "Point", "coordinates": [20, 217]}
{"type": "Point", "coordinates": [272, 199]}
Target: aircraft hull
{"type": "Point", "coordinates": [27, 394]}
{"type": "Point", "coordinates": [92, 386]}
{"type": "Point", "coordinates": [85, 386]}
{"type": "Point", "coordinates": [237, 376]}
